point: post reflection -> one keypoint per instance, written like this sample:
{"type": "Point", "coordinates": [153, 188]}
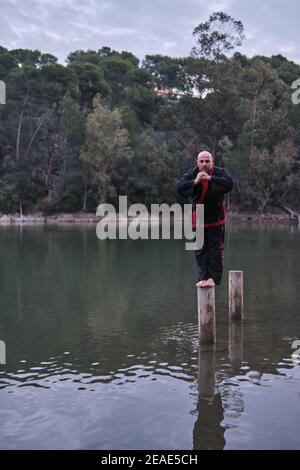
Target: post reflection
{"type": "Point", "coordinates": [235, 344]}
{"type": "Point", "coordinates": [208, 432]}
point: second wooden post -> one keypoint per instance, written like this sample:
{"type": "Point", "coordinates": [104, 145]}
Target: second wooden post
{"type": "Point", "coordinates": [236, 302]}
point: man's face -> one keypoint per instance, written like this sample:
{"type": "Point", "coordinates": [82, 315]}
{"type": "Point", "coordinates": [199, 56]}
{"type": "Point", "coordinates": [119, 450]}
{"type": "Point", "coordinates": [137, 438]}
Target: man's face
{"type": "Point", "coordinates": [204, 161]}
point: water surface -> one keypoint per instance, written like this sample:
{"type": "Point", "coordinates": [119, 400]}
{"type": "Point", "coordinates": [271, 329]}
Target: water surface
{"type": "Point", "coordinates": [102, 349]}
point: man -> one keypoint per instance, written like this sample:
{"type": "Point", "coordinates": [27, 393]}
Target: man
{"type": "Point", "coordinates": [207, 184]}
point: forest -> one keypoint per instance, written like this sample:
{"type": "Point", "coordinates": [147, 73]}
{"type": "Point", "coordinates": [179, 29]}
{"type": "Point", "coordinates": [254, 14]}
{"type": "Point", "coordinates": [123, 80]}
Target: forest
{"type": "Point", "coordinates": [106, 124]}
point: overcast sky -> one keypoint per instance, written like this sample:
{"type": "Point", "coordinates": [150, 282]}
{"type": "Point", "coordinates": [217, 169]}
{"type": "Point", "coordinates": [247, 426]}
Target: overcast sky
{"type": "Point", "coordinates": [144, 26]}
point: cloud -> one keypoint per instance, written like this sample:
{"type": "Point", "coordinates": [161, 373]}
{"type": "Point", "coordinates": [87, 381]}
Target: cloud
{"type": "Point", "coordinates": [143, 26]}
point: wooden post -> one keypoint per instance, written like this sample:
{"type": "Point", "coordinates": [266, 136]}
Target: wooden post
{"type": "Point", "coordinates": [236, 301]}
{"type": "Point", "coordinates": [206, 315]}
{"type": "Point", "coordinates": [2, 352]}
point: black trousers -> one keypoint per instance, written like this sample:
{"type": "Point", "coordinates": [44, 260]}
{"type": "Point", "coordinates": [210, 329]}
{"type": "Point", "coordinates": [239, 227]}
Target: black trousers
{"type": "Point", "coordinates": [210, 259]}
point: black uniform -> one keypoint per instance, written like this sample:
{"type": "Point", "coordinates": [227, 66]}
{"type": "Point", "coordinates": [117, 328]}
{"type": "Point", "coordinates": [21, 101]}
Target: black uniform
{"type": "Point", "coordinates": [210, 258]}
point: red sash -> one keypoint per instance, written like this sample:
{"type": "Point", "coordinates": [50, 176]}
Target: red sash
{"type": "Point", "coordinates": [204, 185]}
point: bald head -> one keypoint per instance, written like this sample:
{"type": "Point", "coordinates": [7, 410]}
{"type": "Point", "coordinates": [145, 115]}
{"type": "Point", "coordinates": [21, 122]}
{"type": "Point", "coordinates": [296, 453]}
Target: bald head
{"type": "Point", "coordinates": [204, 154]}
{"type": "Point", "coordinates": [204, 161]}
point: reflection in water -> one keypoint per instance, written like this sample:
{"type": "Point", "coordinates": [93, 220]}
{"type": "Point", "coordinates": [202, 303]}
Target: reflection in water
{"type": "Point", "coordinates": [102, 344]}
{"type": "Point", "coordinates": [207, 371]}
{"type": "Point", "coordinates": [235, 345]}
{"type": "Point", "coordinates": [209, 428]}
{"type": "Point", "coordinates": [208, 432]}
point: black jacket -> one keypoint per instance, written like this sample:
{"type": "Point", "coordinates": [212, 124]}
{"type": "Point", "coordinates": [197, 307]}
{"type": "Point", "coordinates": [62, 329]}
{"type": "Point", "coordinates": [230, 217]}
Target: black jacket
{"type": "Point", "coordinates": [220, 183]}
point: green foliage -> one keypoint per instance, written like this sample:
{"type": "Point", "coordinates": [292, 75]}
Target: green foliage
{"type": "Point", "coordinates": [64, 149]}
{"type": "Point", "coordinates": [271, 176]}
{"type": "Point", "coordinates": [106, 148]}
{"type": "Point", "coordinates": [217, 36]}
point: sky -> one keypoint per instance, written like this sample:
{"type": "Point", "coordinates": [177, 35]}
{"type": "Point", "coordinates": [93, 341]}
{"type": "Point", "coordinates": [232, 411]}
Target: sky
{"type": "Point", "coordinates": [144, 26]}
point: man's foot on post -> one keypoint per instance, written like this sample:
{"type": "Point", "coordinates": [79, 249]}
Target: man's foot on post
{"type": "Point", "coordinates": [210, 282]}
{"type": "Point", "coordinates": [201, 284]}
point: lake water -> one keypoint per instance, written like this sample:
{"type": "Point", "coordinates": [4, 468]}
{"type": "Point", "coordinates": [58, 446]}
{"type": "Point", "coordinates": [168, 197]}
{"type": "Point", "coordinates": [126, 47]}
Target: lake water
{"type": "Point", "coordinates": [102, 350]}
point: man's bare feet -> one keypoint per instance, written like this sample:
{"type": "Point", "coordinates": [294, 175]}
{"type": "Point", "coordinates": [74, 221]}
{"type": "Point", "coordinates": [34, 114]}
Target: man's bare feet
{"type": "Point", "coordinates": [209, 283]}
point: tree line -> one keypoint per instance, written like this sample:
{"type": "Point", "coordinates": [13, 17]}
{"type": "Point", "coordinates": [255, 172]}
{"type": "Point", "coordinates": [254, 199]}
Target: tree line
{"type": "Point", "coordinates": [107, 124]}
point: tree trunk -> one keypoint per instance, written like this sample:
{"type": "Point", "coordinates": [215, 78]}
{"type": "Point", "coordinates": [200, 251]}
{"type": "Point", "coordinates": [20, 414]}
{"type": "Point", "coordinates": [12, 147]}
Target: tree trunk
{"type": "Point", "coordinates": [20, 127]}
{"type": "Point", "coordinates": [84, 199]}
{"type": "Point", "coordinates": [252, 126]}
{"type": "Point", "coordinates": [32, 139]}
{"type": "Point", "coordinates": [19, 135]}
{"type": "Point", "coordinates": [293, 214]}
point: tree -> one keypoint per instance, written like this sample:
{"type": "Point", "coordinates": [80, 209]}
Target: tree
{"type": "Point", "coordinates": [26, 56]}
{"type": "Point", "coordinates": [136, 142]}
{"type": "Point", "coordinates": [271, 176]}
{"type": "Point", "coordinates": [106, 148]}
{"type": "Point", "coordinates": [266, 104]}
{"type": "Point", "coordinates": [116, 70]}
{"type": "Point", "coordinates": [90, 82]}
{"type": "Point", "coordinates": [164, 70]}
{"type": "Point", "coordinates": [217, 36]}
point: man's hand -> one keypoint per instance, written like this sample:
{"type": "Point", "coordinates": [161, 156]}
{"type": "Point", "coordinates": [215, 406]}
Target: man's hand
{"type": "Point", "coordinates": [206, 177]}
{"type": "Point", "coordinates": [202, 175]}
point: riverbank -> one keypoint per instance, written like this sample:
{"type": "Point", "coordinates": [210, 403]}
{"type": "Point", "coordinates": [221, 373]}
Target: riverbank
{"type": "Point", "coordinates": [234, 216]}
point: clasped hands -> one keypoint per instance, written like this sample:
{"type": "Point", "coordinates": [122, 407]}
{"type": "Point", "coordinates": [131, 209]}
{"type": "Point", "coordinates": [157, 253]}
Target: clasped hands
{"type": "Point", "coordinates": [202, 176]}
